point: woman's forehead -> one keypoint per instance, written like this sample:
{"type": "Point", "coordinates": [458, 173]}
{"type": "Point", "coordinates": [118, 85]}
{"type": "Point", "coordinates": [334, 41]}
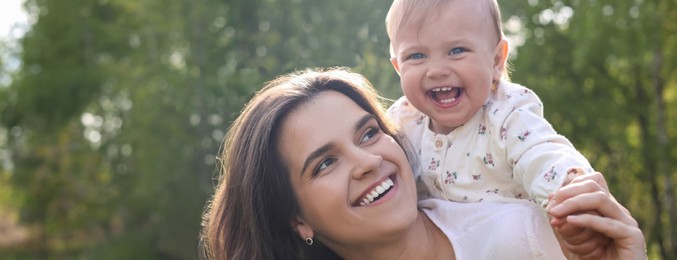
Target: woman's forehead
{"type": "Point", "coordinates": [327, 117]}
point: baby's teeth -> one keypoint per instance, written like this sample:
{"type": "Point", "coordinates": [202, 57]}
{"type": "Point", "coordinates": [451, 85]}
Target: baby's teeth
{"type": "Point", "coordinates": [447, 101]}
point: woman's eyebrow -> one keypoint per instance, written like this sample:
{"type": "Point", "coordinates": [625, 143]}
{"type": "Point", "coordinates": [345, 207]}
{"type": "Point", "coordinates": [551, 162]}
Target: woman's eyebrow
{"type": "Point", "coordinates": [323, 149]}
{"type": "Point", "coordinates": [317, 153]}
{"type": "Point", "coordinates": [363, 121]}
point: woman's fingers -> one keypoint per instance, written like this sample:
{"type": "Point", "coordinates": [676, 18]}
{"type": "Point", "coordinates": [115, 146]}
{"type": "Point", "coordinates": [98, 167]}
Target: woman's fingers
{"type": "Point", "coordinates": [612, 228]}
{"type": "Point", "coordinates": [575, 234]}
{"type": "Point", "coordinates": [585, 193]}
{"type": "Point", "coordinates": [592, 223]}
{"type": "Point", "coordinates": [586, 253]}
{"type": "Point", "coordinates": [581, 184]}
{"type": "Point", "coordinates": [597, 177]}
{"type": "Point", "coordinates": [584, 242]}
{"type": "Point", "coordinates": [598, 201]}
{"type": "Point", "coordinates": [627, 237]}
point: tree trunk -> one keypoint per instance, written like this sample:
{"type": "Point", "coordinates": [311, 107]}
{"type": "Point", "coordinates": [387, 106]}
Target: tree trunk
{"type": "Point", "coordinates": [663, 152]}
{"type": "Point", "coordinates": [642, 102]}
{"type": "Point", "coordinates": [198, 58]}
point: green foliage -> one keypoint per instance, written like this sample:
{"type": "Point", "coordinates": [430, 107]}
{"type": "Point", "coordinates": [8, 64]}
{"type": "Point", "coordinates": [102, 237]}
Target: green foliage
{"type": "Point", "coordinates": [114, 119]}
{"type": "Point", "coordinates": [53, 87]}
{"type": "Point", "coordinates": [132, 245]}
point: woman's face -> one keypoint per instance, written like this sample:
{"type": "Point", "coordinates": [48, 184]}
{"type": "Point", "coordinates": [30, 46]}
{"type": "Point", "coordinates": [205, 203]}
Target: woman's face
{"type": "Point", "coordinates": [353, 182]}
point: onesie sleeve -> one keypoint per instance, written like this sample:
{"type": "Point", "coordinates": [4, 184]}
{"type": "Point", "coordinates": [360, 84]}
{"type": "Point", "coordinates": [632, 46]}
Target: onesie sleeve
{"type": "Point", "coordinates": [540, 157]}
{"type": "Point", "coordinates": [403, 113]}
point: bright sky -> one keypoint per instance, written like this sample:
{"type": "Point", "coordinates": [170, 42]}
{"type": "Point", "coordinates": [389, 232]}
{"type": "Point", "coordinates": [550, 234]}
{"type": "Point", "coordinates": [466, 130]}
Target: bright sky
{"type": "Point", "coordinates": [13, 25]}
{"type": "Point", "coordinates": [12, 15]}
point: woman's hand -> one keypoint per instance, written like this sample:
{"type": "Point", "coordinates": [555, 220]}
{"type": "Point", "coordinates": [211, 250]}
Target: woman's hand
{"type": "Point", "coordinates": [579, 242]}
{"type": "Point", "coordinates": [583, 210]}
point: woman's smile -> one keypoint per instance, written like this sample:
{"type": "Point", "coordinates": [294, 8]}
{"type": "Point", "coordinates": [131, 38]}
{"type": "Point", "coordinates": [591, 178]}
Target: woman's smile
{"type": "Point", "coordinates": [379, 191]}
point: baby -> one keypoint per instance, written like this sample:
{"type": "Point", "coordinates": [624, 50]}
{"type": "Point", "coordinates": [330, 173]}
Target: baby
{"type": "Point", "coordinates": [479, 136]}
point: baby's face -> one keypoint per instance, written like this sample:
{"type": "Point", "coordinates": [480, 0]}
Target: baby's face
{"type": "Point", "coordinates": [448, 62]}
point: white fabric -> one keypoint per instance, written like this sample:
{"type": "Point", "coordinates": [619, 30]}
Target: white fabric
{"type": "Point", "coordinates": [507, 150]}
{"type": "Point", "coordinates": [494, 230]}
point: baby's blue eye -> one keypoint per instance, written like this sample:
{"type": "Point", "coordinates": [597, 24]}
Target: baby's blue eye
{"type": "Point", "coordinates": [416, 56]}
{"type": "Point", "coordinates": [457, 50]}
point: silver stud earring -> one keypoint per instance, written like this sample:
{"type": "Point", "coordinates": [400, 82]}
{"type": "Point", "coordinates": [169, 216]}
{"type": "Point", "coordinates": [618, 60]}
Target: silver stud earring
{"type": "Point", "coordinates": [309, 241]}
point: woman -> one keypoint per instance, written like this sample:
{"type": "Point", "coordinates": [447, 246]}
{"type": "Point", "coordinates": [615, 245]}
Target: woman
{"type": "Point", "coordinates": [312, 167]}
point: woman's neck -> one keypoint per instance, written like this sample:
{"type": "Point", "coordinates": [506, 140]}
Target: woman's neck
{"type": "Point", "coordinates": [424, 240]}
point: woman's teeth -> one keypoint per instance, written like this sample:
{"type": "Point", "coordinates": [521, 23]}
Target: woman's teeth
{"type": "Point", "coordinates": [377, 192]}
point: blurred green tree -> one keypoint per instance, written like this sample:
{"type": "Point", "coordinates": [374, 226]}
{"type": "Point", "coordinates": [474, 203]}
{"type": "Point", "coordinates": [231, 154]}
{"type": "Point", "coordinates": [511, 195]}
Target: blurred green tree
{"type": "Point", "coordinates": [119, 108]}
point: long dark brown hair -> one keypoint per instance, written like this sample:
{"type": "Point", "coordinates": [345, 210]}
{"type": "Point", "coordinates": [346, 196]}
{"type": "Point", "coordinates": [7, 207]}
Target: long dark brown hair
{"type": "Point", "coordinates": [250, 215]}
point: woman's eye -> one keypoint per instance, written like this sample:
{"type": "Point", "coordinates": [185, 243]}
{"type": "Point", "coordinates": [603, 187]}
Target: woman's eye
{"type": "Point", "coordinates": [324, 164]}
{"type": "Point", "coordinates": [457, 50]}
{"type": "Point", "coordinates": [370, 134]}
{"type": "Point", "coordinates": [416, 56]}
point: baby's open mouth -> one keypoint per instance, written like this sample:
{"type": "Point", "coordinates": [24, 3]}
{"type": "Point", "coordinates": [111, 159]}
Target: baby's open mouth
{"type": "Point", "coordinates": [445, 95]}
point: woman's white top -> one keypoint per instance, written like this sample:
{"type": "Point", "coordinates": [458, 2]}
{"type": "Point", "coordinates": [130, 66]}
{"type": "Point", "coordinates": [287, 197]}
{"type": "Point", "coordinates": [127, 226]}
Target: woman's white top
{"type": "Point", "coordinates": [491, 230]}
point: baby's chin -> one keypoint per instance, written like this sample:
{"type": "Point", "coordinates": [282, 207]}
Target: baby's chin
{"type": "Point", "coordinates": [446, 128]}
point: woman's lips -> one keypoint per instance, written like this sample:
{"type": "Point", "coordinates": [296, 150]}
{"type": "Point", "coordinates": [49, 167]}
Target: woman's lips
{"type": "Point", "coordinates": [376, 193]}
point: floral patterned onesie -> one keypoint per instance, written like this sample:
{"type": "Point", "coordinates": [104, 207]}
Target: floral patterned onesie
{"type": "Point", "coordinates": [506, 151]}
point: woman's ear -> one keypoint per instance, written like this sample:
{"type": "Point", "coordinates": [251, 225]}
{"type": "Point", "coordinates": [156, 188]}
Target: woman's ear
{"type": "Point", "coordinates": [500, 57]}
{"type": "Point", "coordinates": [301, 228]}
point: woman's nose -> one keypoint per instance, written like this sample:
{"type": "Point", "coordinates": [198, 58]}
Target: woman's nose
{"type": "Point", "coordinates": [365, 162]}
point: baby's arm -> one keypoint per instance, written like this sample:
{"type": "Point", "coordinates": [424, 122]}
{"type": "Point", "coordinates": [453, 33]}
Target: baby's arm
{"type": "Point", "coordinates": [543, 163]}
{"type": "Point", "coordinates": [541, 158]}
{"type": "Point", "coordinates": [572, 173]}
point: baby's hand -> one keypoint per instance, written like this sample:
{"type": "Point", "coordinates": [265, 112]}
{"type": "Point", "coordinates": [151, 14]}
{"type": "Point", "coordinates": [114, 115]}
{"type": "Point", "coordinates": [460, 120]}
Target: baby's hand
{"type": "Point", "coordinates": [583, 242]}
{"type": "Point", "coordinates": [572, 174]}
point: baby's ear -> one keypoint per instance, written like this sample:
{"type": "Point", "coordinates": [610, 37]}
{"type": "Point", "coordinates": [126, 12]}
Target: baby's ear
{"type": "Point", "coordinates": [393, 60]}
{"type": "Point", "coordinates": [500, 58]}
